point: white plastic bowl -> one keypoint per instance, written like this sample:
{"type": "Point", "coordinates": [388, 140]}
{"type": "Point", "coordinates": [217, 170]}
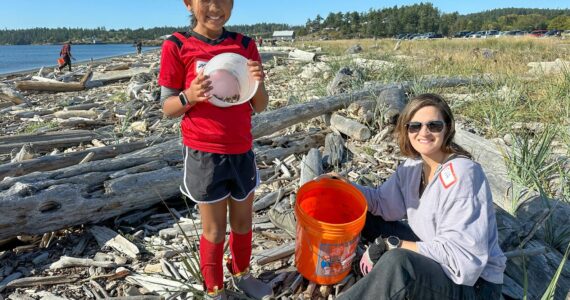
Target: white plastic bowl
{"type": "Point", "coordinates": [230, 78]}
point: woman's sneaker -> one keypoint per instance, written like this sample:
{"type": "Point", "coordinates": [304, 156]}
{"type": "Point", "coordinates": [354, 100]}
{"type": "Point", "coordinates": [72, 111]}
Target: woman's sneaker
{"type": "Point", "coordinates": [252, 286]}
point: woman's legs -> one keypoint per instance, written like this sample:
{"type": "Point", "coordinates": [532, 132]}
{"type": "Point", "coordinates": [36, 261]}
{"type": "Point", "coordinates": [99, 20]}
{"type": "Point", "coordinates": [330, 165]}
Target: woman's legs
{"type": "Point", "coordinates": [213, 216]}
{"type": "Point", "coordinates": [404, 274]}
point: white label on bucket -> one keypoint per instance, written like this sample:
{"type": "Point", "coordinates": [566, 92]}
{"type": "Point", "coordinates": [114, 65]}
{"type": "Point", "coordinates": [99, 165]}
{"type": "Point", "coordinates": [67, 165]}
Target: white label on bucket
{"type": "Point", "coordinates": [335, 258]}
{"type": "Point", "coordinates": [200, 64]}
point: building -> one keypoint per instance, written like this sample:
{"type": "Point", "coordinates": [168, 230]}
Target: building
{"type": "Point", "coordinates": [285, 35]}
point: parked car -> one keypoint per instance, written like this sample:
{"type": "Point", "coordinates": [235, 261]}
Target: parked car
{"type": "Point", "coordinates": [478, 34]}
{"type": "Point", "coordinates": [553, 32]}
{"type": "Point", "coordinates": [491, 33]}
{"type": "Point", "coordinates": [538, 33]}
{"type": "Point", "coordinates": [461, 34]}
{"type": "Point", "coordinates": [435, 36]}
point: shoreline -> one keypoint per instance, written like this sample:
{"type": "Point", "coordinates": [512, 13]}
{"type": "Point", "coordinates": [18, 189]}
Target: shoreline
{"type": "Point", "coordinates": [94, 62]}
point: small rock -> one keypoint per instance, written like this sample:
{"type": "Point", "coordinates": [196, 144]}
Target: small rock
{"type": "Point", "coordinates": [139, 126]}
{"type": "Point", "coordinates": [133, 291]}
{"type": "Point", "coordinates": [165, 254]}
{"type": "Point", "coordinates": [102, 257]}
{"type": "Point", "coordinates": [120, 260]}
{"type": "Point", "coordinates": [150, 268]}
{"type": "Point", "coordinates": [121, 269]}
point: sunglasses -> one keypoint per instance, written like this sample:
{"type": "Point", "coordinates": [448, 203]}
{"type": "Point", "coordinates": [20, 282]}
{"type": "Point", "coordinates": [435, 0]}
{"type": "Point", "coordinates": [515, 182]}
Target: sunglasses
{"type": "Point", "coordinates": [432, 126]}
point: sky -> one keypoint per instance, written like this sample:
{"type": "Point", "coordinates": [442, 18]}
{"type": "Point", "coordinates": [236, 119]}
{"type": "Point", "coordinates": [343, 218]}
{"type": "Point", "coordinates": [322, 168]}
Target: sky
{"type": "Point", "coordinates": [116, 14]}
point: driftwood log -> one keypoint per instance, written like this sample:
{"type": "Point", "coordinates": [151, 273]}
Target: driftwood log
{"type": "Point", "coordinates": [45, 142]}
{"type": "Point", "coordinates": [30, 85]}
{"type": "Point", "coordinates": [9, 95]}
{"type": "Point", "coordinates": [85, 193]}
{"type": "Point", "coordinates": [54, 162]}
{"type": "Point", "coordinates": [267, 123]}
{"type": "Point", "coordinates": [302, 55]}
{"type": "Point", "coordinates": [311, 166]}
{"type": "Point", "coordinates": [350, 127]}
{"type": "Point", "coordinates": [113, 76]}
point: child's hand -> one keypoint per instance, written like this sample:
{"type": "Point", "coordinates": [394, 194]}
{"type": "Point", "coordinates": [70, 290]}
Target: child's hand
{"type": "Point", "coordinates": [199, 90]}
{"type": "Point", "coordinates": [256, 70]}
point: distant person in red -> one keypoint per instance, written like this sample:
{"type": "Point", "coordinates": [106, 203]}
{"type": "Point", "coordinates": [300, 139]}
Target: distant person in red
{"type": "Point", "coordinates": [260, 41]}
{"type": "Point", "coordinates": [65, 53]}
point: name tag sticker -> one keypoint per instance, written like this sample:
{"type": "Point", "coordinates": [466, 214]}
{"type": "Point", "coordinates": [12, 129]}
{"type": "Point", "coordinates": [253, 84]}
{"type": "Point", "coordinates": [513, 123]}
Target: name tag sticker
{"type": "Point", "coordinates": [447, 176]}
{"type": "Point", "coordinates": [200, 64]}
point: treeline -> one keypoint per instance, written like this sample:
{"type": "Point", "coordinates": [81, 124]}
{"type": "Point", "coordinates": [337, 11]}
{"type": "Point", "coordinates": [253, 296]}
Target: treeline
{"type": "Point", "coordinates": [424, 17]}
{"type": "Point", "coordinates": [386, 22]}
{"type": "Point", "coordinates": [79, 35]}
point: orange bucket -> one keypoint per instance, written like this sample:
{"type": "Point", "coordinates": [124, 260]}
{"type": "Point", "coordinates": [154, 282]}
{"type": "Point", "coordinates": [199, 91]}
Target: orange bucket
{"type": "Point", "coordinates": [60, 61]}
{"type": "Point", "coordinates": [330, 215]}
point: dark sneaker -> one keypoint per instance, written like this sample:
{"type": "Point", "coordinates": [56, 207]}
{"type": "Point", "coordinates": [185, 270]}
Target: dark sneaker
{"type": "Point", "coordinates": [252, 286]}
{"type": "Point", "coordinates": [218, 295]}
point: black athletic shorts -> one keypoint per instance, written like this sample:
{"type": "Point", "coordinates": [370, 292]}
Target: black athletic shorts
{"type": "Point", "coordinates": [212, 177]}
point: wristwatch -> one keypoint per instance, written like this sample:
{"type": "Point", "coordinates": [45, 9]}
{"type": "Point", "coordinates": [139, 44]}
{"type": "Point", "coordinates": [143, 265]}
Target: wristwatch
{"type": "Point", "coordinates": [392, 242]}
{"type": "Point", "coordinates": [183, 99]}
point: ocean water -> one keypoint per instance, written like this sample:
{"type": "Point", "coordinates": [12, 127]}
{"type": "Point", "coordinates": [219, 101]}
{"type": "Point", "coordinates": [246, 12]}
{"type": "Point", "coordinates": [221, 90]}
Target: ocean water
{"type": "Point", "coordinates": [27, 57]}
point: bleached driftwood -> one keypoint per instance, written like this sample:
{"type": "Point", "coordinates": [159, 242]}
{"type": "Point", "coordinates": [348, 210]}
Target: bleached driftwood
{"type": "Point", "coordinates": [271, 198]}
{"type": "Point", "coordinates": [84, 193]}
{"type": "Point", "coordinates": [311, 166]}
{"type": "Point", "coordinates": [302, 55]}
{"type": "Point", "coordinates": [9, 95]}
{"type": "Point", "coordinates": [69, 262]}
{"type": "Point", "coordinates": [301, 146]}
{"type": "Point", "coordinates": [107, 237]}
{"type": "Point", "coordinates": [267, 123]}
{"type": "Point", "coordinates": [42, 281]}
{"type": "Point", "coordinates": [117, 67]}
{"type": "Point", "coordinates": [334, 152]}
{"type": "Point", "coordinates": [112, 76]}
{"type": "Point", "coordinates": [66, 114]}
{"type": "Point", "coordinates": [45, 142]}
{"type": "Point", "coordinates": [30, 85]}
{"type": "Point", "coordinates": [350, 127]}
{"type": "Point", "coordinates": [162, 286]}
{"type": "Point", "coordinates": [274, 254]}
{"type": "Point", "coordinates": [53, 162]}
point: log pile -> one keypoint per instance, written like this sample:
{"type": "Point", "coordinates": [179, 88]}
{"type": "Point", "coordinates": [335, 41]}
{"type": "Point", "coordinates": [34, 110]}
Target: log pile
{"type": "Point", "coordinates": [97, 213]}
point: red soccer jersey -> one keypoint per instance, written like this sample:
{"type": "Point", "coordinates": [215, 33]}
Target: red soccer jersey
{"type": "Point", "coordinates": [206, 127]}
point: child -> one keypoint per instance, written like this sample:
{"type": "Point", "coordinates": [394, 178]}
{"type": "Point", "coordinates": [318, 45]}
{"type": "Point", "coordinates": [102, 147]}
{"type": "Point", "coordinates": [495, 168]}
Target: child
{"type": "Point", "coordinates": [219, 165]}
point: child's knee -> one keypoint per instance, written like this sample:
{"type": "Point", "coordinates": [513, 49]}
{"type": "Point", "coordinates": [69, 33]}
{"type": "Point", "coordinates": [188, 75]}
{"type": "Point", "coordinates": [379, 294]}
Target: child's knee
{"type": "Point", "coordinates": [241, 225]}
{"type": "Point", "coordinates": [214, 234]}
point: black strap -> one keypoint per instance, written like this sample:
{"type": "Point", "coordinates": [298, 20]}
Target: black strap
{"type": "Point", "coordinates": [245, 40]}
{"type": "Point", "coordinates": [173, 38]}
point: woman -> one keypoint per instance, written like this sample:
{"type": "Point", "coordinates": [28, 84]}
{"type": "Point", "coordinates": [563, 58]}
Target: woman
{"type": "Point", "coordinates": [450, 248]}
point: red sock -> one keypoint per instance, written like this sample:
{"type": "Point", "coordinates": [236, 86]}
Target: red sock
{"type": "Point", "coordinates": [211, 256]}
{"type": "Point", "coordinates": [240, 247]}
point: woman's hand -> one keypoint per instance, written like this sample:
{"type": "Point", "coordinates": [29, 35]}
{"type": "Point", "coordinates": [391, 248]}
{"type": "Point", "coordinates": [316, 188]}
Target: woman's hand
{"type": "Point", "coordinates": [256, 70]}
{"type": "Point", "coordinates": [199, 90]}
